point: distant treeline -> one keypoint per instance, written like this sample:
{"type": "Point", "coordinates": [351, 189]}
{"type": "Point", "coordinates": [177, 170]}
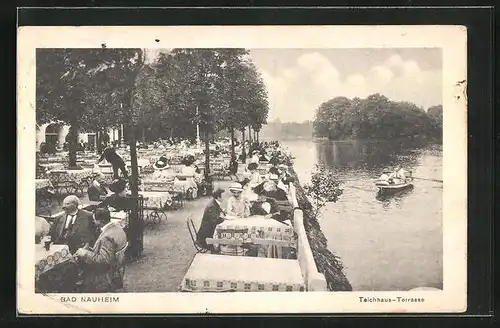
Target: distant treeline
{"type": "Point", "coordinates": [376, 117]}
{"type": "Point", "coordinates": [277, 130]}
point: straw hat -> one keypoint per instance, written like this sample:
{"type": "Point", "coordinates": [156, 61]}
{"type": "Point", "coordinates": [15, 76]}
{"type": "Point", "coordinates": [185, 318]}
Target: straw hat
{"type": "Point", "coordinates": [236, 187]}
{"type": "Point", "coordinates": [273, 177]}
{"type": "Point", "coordinates": [282, 166]}
{"type": "Point", "coordinates": [386, 170]}
{"type": "Point", "coordinates": [161, 163]}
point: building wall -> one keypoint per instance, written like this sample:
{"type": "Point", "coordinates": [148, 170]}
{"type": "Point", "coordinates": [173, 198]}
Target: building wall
{"type": "Point", "coordinates": [63, 132]}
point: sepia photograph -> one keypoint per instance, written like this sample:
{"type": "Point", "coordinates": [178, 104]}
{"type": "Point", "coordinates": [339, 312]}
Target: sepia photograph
{"type": "Point", "coordinates": [301, 170]}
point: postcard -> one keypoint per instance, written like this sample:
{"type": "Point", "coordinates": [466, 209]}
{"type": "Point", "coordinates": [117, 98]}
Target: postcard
{"type": "Point", "coordinates": [242, 169]}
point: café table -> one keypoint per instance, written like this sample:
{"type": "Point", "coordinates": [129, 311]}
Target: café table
{"type": "Point", "coordinates": [219, 273]}
{"type": "Point", "coordinates": [47, 260]}
{"type": "Point", "coordinates": [41, 184]}
{"type": "Point", "coordinates": [253, 228]}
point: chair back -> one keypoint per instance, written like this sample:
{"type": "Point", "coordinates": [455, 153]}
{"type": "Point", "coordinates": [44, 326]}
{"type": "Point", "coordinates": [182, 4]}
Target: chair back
{"type": "Point", "coordinates": [120, 255]}
{"type": "Point", "coordinates": [193, 233]}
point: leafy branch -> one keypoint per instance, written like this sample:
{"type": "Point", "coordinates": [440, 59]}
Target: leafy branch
{"type": "Point", "coordinates": [324, 188]}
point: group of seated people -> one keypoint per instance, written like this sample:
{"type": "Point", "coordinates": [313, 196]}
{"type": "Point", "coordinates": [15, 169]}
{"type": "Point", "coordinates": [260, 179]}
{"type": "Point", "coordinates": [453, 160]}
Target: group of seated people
{"type": "Point", "coordinates": [254, 195]}
{"type": "Point", "coordinates": [96, 243]}
{"type": "Point", "coordinates": [396, 176]}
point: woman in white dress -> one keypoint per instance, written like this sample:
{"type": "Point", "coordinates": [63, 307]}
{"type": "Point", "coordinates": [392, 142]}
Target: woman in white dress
{"type": "Point", "coordinates": [237, 206]}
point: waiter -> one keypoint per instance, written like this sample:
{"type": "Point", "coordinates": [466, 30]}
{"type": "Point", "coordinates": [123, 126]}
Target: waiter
{"type": "Point", "coordinates": [115, 160]}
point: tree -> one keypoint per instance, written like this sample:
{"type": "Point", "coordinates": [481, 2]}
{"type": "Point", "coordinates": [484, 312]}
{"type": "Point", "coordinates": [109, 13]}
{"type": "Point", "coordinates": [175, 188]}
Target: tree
{"type": "Point", "coordinates": [79, 87]}
{"type": "Point", "coordinates": [324, 188]}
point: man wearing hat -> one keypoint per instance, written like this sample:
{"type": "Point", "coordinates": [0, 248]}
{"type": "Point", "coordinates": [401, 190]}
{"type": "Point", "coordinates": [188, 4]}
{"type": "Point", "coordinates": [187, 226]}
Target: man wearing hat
{"type": "Point", "coordinates": [118, 200]}
{"type": "Point", "coordinates": [212, 216]}
{"type": "Point", "coordinates": [270, 189]}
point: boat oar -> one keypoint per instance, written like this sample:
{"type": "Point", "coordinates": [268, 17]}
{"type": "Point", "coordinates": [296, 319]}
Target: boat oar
{"type": "Point", "coordinates": [435, 180]}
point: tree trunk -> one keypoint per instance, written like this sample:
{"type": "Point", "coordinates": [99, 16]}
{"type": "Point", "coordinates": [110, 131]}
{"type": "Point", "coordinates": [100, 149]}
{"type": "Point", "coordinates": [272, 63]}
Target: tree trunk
{"type": "Point", "coordinates": [257, 136]}
{"type": "Point", "coordinates": [143, 135]}
{"type": "Point", "coordinates": [250, 135]}
{"type": "Point", "coordinates": [72, 143]}
{"type": "Point", "coordinates": [98, 141]}
{"type": "Point", "coordinates": [136, 227]}
{"type": "Point", "coordinates": [233, 155]}
{"type": "Point", "coordinates": [243, 150]}
{"type": "Point", "coordinates": [207, 156]}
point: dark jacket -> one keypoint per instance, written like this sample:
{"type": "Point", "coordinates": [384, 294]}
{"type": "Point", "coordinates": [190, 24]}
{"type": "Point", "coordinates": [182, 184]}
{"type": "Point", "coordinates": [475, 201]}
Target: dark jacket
{"type": "Point", "coordinates": [95, 193]}
{"type": "Point", "coordinates": [83, 231]}
{"type": "Point", "coordinates": [211, 218]}
{"type": "Point", "coordinates": [257, 209]}
{"type": "Point", "coordinates": [112, 157]}
{"type": "Point", "coordinates": [120, 203]}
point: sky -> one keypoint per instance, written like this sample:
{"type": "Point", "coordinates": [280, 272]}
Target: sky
{"type": "Point", "coordinates": [299, 80]}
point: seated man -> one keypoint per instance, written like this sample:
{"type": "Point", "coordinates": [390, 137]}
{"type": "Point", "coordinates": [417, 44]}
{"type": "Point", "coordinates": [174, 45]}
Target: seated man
{"type": "Point", "coordinates": [75, 228]}
{"type": "Point", "coordinates": [270, 189]}
{"type": "Point", "coordinates": [101, 263]}
{"type": "Point", "coordinates": [212, 216]}
{"type": "Point", "coordinates": [96, 192]}
{"type": "Point", "coordinates": [266, 207]}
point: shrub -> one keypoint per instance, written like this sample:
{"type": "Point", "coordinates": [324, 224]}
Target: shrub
{"type": "Point", "coordinates": [324, 188]}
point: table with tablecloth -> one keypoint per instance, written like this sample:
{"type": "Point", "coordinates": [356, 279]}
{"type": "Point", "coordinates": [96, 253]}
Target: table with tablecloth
{"type": "Point", "coordinates": [156, 199]}
{"type": "Point", "coordinates": [41, 184]}
{"type": "Point", "coordinates": [220, 273]}
{"type": "Point", "coordinates": [251, 228]}
{"type": "Point", "coordinates": [47, 260]}
{"type": "Point", "coordinates": [73, 179]}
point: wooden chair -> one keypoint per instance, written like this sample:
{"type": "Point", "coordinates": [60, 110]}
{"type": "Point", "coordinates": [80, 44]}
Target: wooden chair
{"type": "Point", "coordinates": [120, 258]}
{"type": "Point", "coordinates": [229, 242]}
{"type": "Point", "coordinates": [193, 233]}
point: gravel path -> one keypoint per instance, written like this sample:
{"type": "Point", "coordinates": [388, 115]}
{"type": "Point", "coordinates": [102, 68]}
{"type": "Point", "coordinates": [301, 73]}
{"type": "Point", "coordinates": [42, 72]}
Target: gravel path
{"type": "Point", "coordinates": [168, 249]}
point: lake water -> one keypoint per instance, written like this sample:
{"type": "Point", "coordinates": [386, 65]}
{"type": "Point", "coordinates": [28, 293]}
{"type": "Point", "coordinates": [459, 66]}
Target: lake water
{"type": "Point", "coordinates": [386, 244]}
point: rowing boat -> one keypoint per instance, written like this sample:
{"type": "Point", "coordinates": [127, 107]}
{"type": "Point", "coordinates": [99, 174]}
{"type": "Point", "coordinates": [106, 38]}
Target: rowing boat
{"type": "Point", "coordinates": [385, 187]}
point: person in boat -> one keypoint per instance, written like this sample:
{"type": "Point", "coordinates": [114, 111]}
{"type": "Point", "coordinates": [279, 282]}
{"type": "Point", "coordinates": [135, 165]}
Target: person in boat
{"type": "Point", "coordinates": [401, 174]}
{"type": "Point", "coordinates": [237, 205]}
{"type": "Point", "coordinates": [385, 175]}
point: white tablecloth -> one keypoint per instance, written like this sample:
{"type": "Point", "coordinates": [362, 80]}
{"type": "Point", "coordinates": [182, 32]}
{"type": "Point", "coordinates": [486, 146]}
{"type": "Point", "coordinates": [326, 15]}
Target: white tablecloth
{"type": "Point", "coordinates": [211, 273]}
{"type": "Point", "coordinates": [46, 260]}
{"type": "Point", "coordinates": [156, 199]}
{"type": "Point", "coordinates": [42, 184]}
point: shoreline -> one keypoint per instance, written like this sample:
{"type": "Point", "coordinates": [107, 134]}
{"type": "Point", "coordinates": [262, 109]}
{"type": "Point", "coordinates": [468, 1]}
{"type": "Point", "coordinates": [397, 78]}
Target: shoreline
{"type": "Point", "coordinates": [329, 264]}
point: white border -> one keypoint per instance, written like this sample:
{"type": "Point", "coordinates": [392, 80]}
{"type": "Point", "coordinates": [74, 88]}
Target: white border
{"type": "Point", "coordinates": [452, 40]}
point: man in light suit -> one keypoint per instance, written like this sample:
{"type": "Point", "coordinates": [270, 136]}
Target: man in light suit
{"type": "Point", "coordinates": [75, 227]}
{"type": "Point", "coordinates": [102, 263]}
{"type": "Point", "coordinates": [212, 216]}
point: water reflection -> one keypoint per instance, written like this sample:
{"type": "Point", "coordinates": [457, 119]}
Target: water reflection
{"type": "Point", "coordinates": [366, 155]}
{"type": "Point", "coordinates": [391, 242]}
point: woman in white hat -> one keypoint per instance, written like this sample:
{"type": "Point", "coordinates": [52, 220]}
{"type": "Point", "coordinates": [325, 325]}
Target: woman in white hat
{"type": "Point", "coordinates": [161, 167]}
{"type": "Point", "coordinates": [237, 206]}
